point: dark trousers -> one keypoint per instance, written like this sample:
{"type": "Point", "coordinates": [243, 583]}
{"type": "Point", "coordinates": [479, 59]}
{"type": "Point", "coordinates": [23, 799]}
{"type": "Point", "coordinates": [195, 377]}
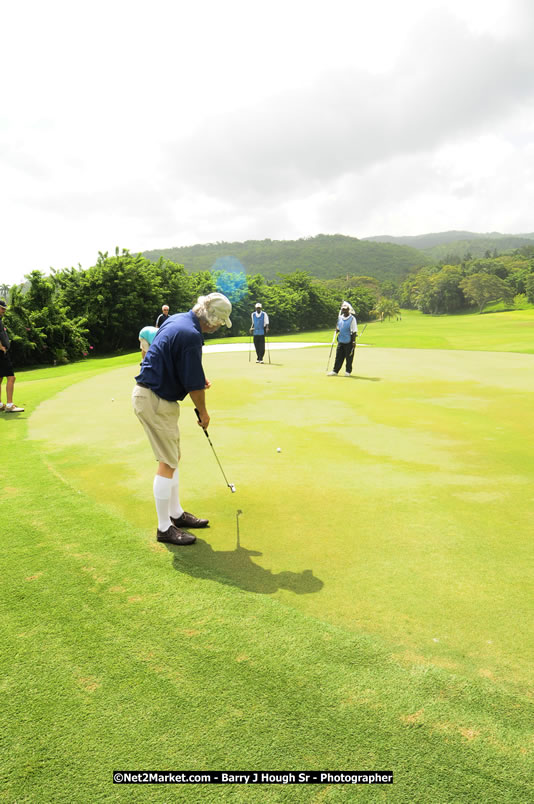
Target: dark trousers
{"type": "Point", "coordinates": [6, 367]}
{"type": "Point", "coordinates": [344, 351]}
{"type": "Point", "coordinates": [259, 345]}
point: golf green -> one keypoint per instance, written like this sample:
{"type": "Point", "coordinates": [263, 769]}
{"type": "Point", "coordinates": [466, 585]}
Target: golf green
{"type": "Point", "coordinates": [399, 505]}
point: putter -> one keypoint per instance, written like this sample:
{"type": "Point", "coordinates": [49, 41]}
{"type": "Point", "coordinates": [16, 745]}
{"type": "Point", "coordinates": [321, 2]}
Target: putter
{"type": "Point", "coordinates": [230, 485]}
{"type": "Point", "coordinates": [356, 339]}
{"type": "Point", "coordinates": [330, 355]}
{"type": "Point", "coordinates": [359, 336]}
{"type": "Point", "coordinates": [268, 350]}
{"type": "Point", "coordinates": [249, 348]}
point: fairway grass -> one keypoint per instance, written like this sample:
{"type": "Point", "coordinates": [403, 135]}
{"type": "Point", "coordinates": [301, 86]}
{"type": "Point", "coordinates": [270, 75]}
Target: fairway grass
{"type": "Point", "coordinates": [490, 332]}
{"type": "Point", "coordinates": [363, 601]}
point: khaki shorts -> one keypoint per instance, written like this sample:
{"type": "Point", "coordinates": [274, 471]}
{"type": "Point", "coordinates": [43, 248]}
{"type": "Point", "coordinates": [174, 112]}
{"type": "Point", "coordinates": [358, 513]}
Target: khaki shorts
{"type": "Point", "coordinates": [160, 420]}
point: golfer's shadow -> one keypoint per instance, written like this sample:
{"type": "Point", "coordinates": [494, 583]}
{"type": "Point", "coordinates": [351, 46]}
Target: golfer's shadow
{"type": "Point", "coordinates": [236, 568]}
{"type": "Point", "coordinates": [370, 379]}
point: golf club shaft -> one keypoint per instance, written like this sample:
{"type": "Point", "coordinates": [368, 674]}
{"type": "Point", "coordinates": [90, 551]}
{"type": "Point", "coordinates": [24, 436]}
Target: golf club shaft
{"type": "Point", "coordinates": [331, 347]}
{"type": "Point", "coordinates": [356, 338]}
{"type": "Point", "coordinates": [213, 449]}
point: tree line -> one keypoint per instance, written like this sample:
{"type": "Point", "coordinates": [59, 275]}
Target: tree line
{"type": "Point", "coordinates": [77, 313]}
{"type": "Point", "coordinates": [453, 247]}
{"type": "Point", "coordinates": [446, 288]}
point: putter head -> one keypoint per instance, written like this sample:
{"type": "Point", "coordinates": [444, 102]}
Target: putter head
{"type": "Point", "coordinates": [231, 487]}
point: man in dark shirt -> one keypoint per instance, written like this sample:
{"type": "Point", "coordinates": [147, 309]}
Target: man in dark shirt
{"type": "Point", "coordinates": [171, 369]}
{"type": "Point", "coordinates": [6, 368]}
{"type": "Point", "coordinates": [163, 316]}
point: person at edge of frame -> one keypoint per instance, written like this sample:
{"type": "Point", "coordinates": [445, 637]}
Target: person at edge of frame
{"type": "Point", "coordinates": [163, 316]}
{"type": "Point", "coordinates": [260, 327]}
{"type": "Point", "coordinates": [171, 369]}
{"type": "Point", "coordinates": [6, 367]}
{"type": "Point", "coordinates": [347, 332]}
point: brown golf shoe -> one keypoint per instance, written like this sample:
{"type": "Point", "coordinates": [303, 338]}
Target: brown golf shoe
{"type": "Point", "coordinates": [189, 521]}
{"type": "Point", "coordinates": [175, 536]}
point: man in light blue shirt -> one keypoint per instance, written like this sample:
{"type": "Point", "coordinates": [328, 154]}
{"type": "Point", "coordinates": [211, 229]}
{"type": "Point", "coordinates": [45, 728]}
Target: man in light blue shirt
{"type": "Point", "coordinates": [347, 330]}
{"type": "Point", "coordinates": [260, 327]}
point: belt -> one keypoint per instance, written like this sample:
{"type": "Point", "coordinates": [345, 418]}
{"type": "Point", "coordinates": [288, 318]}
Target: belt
{"type": "Point", "coordinates": [142, 385]}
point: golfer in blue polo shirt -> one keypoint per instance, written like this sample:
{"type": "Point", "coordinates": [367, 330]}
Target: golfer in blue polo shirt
{"type": "Point", "coordinates": [171, 369]}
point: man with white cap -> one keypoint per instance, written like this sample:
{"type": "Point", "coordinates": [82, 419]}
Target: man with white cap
{"type": "Point", "coordinates": [347, 332]}
{"type": "Point", "coordinates": [171, 369]}
{"type": "Point", "coordinates": [260, 327]}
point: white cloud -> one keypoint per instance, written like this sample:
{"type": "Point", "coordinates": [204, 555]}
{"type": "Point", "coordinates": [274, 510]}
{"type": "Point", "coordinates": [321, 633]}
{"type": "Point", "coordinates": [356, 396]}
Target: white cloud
{"type": "Point", "coordinates": [152, 125]}
{"type": "Point", "coordinates": [447, 86]}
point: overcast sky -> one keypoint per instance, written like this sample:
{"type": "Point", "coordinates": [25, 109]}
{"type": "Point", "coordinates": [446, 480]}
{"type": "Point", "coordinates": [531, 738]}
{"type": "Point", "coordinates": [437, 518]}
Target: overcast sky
{"type": "Point", "coordinates": [166, 123]}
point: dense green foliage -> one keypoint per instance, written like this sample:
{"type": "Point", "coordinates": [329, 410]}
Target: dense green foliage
{"type": "Point", "coordinates": [323, 256]}
{"type": "Point", "coordinates": [41, 327]}
{"type": "Point", "coordinates": [454, 288]}
{"type": "Point", "coordinates": [75, 313]}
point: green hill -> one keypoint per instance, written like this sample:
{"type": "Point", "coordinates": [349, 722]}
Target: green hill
{"type": "Point", "coordinates": [441, 245]}
{"type": "Point", "coordinates": [323, 256]}
{"type": "Point", "coordinates": [423, 241]}
{"type": "Point", "coordinates": [479, 247]}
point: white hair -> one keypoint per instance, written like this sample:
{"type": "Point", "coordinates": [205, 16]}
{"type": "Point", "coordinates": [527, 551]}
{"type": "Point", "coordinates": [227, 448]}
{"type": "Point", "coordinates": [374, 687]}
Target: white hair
{"type": "Point", "coordinates": [214, 309]}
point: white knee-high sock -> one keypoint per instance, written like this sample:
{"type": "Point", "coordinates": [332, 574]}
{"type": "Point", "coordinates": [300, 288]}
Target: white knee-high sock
{"type": "Point", "coordinates": [175, 509]}
{"type": "Point", "coordinates": [162, 495]}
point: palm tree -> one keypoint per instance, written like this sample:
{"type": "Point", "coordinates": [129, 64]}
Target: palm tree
{"type": "Point", "coordinates": [4, 290]}
{"type": "Point", "coordinates": [386, 308]}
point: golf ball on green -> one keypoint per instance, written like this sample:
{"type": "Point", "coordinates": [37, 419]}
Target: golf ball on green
{"type": "Point", "coordinates": [278, 449]}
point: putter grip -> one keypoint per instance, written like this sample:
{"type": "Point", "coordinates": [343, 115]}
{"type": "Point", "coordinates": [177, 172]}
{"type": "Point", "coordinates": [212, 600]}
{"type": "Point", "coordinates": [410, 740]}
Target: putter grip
{"type": "Point", "coordinates": [198, 417]}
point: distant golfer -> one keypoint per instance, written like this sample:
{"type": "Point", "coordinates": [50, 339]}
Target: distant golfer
{"type": "Point", "coordinates": [6, 368]}
{"type": "Point", "coordinates": [171, 369]}
{"type": "Point", "coordinates": [146, 336]}
{"type": "Point", "coordinates": [347, 332]}
{"type": "Point", "coordinates": [163, 316]}
{"type": "Point", "coordinates": [260, 327]}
